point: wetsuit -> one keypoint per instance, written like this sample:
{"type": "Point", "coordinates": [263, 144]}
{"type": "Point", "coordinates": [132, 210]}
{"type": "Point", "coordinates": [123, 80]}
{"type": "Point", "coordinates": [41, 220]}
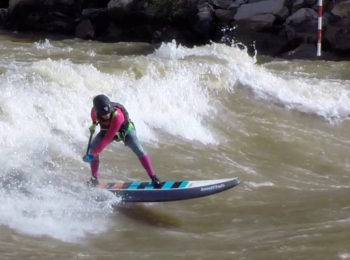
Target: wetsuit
{"type": "Point", "coordinates": [117, 128]}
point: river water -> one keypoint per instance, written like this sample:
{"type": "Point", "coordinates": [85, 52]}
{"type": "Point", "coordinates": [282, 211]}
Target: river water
{"type": "Point", "coordinates": [206, 112]}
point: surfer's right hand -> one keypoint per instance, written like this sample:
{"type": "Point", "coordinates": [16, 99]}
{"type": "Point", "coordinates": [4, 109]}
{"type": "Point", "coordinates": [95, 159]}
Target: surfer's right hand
{"type": "Point", "coordinates": [88, 158]}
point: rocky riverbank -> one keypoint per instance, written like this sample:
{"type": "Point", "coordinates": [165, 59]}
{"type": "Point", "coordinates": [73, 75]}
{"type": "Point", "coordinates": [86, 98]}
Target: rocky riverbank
{"type": "Point", "coordinates": [279, 28]}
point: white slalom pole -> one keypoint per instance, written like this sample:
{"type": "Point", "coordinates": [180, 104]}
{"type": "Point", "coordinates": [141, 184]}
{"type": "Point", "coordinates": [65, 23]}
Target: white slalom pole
{"type": "Point", "coordinates": [319, 31]}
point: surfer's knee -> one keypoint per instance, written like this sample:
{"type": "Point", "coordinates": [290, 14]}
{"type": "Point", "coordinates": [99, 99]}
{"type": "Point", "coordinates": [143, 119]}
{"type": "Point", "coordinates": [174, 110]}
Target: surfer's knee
{"type": "Point", "coordinates": [138, 150]}
{"type": "Point", "coordinates": [134, 144]}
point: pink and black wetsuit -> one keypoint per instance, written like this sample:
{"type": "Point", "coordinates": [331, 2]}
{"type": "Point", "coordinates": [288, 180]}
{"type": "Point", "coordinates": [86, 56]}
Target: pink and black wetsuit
{"type": "Point", "coordinates": [118, 125]}
{"type": "Point", "coordinates": [110, 129]}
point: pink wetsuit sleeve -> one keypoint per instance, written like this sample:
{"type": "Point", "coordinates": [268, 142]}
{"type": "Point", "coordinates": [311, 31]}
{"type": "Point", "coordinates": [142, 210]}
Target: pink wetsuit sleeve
{"type": "Point", "coordinates": [93, 115]}
{"type": "Point", "coordinates": [116, 123]}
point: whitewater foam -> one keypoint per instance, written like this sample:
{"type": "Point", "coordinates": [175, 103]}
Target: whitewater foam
{"type": "Point", "coordinates": [44, 119]}
{"type": "Point", "coordinates": [327, 98]}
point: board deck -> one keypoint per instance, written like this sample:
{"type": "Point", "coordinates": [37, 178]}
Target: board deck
{"type": "Point", "coordinates": [169, 191]}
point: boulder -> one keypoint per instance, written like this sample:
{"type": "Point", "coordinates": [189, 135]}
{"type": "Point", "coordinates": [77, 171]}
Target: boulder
{"type": "Point", "coordinates": [225, 4]}
{"type": "Point", "coordinates": [283, 14]}
{"type": "Point", "coordinates": [338, 37]}
{"type": "Point", "coordinates": [94, 4]}
{"type": "Point", "coordinates": [310, 2]}
{"type": "Point", "coordinates": [252, 9]}
{"type": "Point", "coordinates": [309, 52]}
{"type": "Point", "coordinates": [68, 7]}
{"type": "Point", "coordinates": [85, 30]}
{"type": "Point", "coordinates": [204, 24]}
{"type": "Point", "coordinates": [302, 26]}
{"type": "Point", "coordinates": [27, 6]}
{"type": "Point", "coordinates": [254, 1]}
{"type": "Point", "coordinates": [258, 22]}
{"type": "Point", "coordinates": [44, 15]}
{"type": "Point", "coordinates": [302, 15]}
{"type": "Point", "coordinates": [118, 9]}
{"type": "Point", "coordinates": [59, 2]}
{"type": "Point", "coordinates": [18, 6]}
{"type": "Point", "coordinates": [274, 26]}
{"type": "Point", "coordinates": [58, 26]}
{"type": "Point", "coordinates": [98, 18]}
{"type": "Point", "coordinates": [121, 4]}
{"type": "Point", "coordinates": [92, 12]}
{"type": "Point", "coordinates": [241, 2]}
{"type": "Point", "coordinates": [342, 9]}
{"type": "Point", "coordinates": [3, 16]}
{"type": "Point", "coordinates": [297, 4]}
{"type": "Point", "coordinates": [303, 51]}
{"type": "Point", "coordinates": [225, 15]}
{"type": "Point", "coordinates": [264, 43]}
{"type": "Point", "coordinates": [204, 4]}
{"type": "Point", "coordinates": [114, 33]}
{"type": "Point", "coordinates": [4, 4]}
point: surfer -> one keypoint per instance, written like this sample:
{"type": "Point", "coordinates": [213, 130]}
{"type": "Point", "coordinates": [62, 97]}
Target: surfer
{"type": "Point", "coordinates": [115, 125]}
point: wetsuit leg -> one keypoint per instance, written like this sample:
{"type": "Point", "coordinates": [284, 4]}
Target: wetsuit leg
{"type": "Point", "coordinates": [95, 164]}
{"type": "Point", "coordinates": [133, 142]}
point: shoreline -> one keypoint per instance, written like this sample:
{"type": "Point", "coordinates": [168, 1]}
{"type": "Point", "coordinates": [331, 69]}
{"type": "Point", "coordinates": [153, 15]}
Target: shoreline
{"type": "Point", "coordinates": [275, 28]}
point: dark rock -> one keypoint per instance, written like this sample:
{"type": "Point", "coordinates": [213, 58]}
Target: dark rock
{"type": "Point", "coordinates": [60, 26]}
{"type": "Point", "coordinates": [310, 2]}
{"type": "Point", "coordinates": [338, 37]}
{"type": "Point", "coordinates": [297, 4]}
{"type": "Point", "coordinates": [118, 9]}
{"type": "Point", "coordinates": [124, 5]}
{"type": "Point", "coordinates": [274, 26]}
{"type": "Point", "coordinates": [85, 30]}
{"type": "Point", "coordinates": [86, 4]}
{"type": "Point", "coordinates": [270, 44]}
{"type": "Point", "coordinates": [302, 15]}
{"type": "Point", "coordinates": [258, 22]}
{"type": "Point", "coordinates": [205, 24]}
{"type": "Point", "coordinates": [225, 15]}
{"type": "Point", "coordinates": [204, 4]}
{"type": "Point", "coordinates": [44, 15]}
{"type": "Point", "coordinates": [304, 51]}
{"type": "Point", "coordinates": [59, 2]}
{"type": "Point", "coordinates": [283, 14]}
{"type": "Point", "coordinates": [224, 4]}
{"type": "Point", "coordinates": [93, 12]}
{"type": "Point", "coordinates": [169, 33]}
{"type": "Point", "coordinates": [113, 33]}
{"type": "Point", "coordinates": [3, 16]}
{"type": "Point", "coordinates": [23, 6]}
{"type": "Point", "coordinates": [342, 10]}
{"type": "Point", "coordinates": [271, 7]}
{"type": "Point", "coordinates": [68, 7]}
{"type": "Point", "coordinates": [241, 2]}
{"type": "Point", "coordinates": [56, 22]}
{"type": "Point", "coordinates": [264, 43]}
{"type": "Point", "coordinates": [308, 52]}
{"type": "Point", "coordinates": [301, 26]}
{"type": "Point", "coordinates": [4, 4]}
{"type": "Point", "coordinates": [97, 17]}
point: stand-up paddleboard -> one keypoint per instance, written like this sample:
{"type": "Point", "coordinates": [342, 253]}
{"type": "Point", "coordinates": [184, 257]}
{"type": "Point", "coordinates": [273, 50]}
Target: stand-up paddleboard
{"type": "Point", "coordinates": [168, 191]}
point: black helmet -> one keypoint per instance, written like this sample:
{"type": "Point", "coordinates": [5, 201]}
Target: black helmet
{"type": "Point", "coordinates": [102, 105]}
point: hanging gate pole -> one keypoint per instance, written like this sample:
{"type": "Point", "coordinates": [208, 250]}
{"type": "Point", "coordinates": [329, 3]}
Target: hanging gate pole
{"type": "Point", "coordinates": [319, 32]}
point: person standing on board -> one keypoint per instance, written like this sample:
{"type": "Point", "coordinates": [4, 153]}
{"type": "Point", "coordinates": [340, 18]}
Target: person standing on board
{"type": "Point", "coordinates": [115, 125]}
